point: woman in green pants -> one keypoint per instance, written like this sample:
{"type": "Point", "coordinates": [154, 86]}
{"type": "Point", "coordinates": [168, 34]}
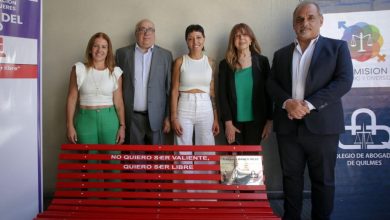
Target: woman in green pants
{"type": "Point", "coordinates": [97, 84]}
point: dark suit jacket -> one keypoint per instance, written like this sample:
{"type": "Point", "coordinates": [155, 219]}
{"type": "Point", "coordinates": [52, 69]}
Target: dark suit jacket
{"type": "Point", "coordinates": [262, 105]}
{"type": "Point", "coordinates": [158, 84]}
{"type": "Point", "coordinates": [329, 77]}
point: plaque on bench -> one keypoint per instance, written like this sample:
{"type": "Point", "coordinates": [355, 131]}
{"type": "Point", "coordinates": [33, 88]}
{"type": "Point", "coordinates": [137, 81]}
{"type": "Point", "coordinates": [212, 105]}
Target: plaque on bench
{"type": "Point", "coordinates": [241, 170]}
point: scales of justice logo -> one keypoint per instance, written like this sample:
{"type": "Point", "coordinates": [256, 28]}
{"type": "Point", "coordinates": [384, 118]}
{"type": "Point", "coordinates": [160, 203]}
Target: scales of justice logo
{"type": "Point", "coordinates": [362, 135]}
{"type": "Point", "coordinates": [364, 41]}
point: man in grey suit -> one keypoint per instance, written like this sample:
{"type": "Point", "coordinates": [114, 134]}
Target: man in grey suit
{"type": "Point", "coordinates": [146, 82]}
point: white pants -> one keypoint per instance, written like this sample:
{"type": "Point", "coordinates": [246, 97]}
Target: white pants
{"type": "Point", "coordinates": [195, 112]}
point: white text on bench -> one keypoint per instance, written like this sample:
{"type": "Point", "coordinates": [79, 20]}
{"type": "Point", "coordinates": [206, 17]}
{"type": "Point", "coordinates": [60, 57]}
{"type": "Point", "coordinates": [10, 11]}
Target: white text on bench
{"type": "Point", "coordinates": [158, 167]}
{"type": "Point", "coordinates": [159, 157]}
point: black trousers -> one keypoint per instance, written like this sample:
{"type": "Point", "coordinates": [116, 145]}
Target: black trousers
{"type": "Point", "coordinates": [319, 153]}
{"type": "Point", "coordinates": [250, 133]}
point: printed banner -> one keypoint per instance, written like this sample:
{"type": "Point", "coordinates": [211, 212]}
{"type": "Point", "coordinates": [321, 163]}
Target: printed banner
{"type": "Point", "coordinates": [20, 150]}
{"type": "Point", "coordinates": [363, 159]}
{"type": "Point", "coordinates": [18, 55]}
{"type": "Point", "coordinates": [367, 34]}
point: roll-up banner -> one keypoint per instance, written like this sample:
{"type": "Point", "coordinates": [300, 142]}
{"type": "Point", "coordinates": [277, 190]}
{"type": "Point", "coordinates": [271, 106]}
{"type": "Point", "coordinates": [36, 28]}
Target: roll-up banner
{"type": "Point", "coordinates": [363, 159]}
{"type": "Point", "coordinates": [20, 121]}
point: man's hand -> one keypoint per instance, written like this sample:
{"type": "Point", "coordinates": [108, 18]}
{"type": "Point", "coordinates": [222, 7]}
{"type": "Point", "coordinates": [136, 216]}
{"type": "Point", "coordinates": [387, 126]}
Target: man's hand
{"type": "Point", "coordinates": [296, 109]}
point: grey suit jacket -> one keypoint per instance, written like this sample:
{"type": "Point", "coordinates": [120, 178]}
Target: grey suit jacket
{"type": "Point", "coordinates": [158, 84]}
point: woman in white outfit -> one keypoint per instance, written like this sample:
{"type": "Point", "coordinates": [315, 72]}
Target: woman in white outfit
{"type": "Point", "coordinates": [192, 96]}
{"type": "Point", "coordinates": [193, 105]}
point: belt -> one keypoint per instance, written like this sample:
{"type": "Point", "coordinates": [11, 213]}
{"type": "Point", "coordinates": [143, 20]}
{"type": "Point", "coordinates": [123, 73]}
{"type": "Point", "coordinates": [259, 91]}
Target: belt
{"type": "Point", "coordinates": [141, 112]}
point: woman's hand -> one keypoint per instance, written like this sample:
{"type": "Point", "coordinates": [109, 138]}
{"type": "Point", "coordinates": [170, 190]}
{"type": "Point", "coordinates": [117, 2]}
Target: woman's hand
{"type": "Point", "coordinates": [120, 137]}
{"type": "Point", "coordinates": [267, 130]}
{"type": "Point", "coordinates": [230, 132]}
{"type": "Point", "coordinates": [177, 127]}
{"type": "Point", "coordinates": [215, 128]}
{"type": "Point", "coordinates": [72, 135]}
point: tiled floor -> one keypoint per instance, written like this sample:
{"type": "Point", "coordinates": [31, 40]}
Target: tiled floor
{"type": "Point", "coordinates": [277, 206]}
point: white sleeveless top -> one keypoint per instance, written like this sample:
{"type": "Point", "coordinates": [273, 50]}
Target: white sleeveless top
{"type": "Point", "coordinates": [96, 87]}
{"type": "Point", "coordinates": [195, 74]}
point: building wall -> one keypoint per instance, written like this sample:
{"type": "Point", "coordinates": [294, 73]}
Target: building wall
{"type": "Point", "coordinates": [68, 25]}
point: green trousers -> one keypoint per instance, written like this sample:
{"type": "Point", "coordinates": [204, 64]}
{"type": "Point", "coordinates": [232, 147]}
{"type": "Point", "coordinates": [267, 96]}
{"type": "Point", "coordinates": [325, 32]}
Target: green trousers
{"type": "Point", "coordinates": [98, 126]}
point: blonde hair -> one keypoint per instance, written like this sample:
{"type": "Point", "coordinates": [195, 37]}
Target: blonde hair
{"type": "Point", "coordinates": [109, 61]}
{"type": "Point", "coordinates": [231, 52]}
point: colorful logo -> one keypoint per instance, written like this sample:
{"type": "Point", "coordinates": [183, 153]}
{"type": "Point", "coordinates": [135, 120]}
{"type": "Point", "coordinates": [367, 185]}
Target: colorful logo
{"type": "Point", "coordinates": [364, 132]}
{"type": "Point", "coordinates": [364, 41]}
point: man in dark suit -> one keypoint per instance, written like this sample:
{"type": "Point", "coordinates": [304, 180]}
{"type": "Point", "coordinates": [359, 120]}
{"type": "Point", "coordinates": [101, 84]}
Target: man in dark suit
{"type": "Point", "coordinates": [308, 79]}
{"type": "Point", "coordinates": [146, 82]}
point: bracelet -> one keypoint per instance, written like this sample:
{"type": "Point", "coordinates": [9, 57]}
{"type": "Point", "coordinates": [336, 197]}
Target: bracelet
{"type": "Point", "coordinates": [122, 125]}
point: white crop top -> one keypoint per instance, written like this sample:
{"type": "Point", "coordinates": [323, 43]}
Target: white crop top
{"type": "Point", "coordinates": [195, 74]}
{"type": "Point", "coordinates": [96, 87]}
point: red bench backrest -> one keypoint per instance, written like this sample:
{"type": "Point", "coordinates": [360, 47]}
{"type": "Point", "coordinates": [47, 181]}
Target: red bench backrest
{"type": "Point", "coordinates": [147, 179]}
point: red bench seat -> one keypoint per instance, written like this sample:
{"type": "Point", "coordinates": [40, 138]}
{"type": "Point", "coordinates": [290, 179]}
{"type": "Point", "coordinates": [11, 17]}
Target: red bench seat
{"type": "Point", "coordinates": [152, 182]}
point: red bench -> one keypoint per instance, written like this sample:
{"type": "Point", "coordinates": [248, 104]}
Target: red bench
{"type": "Point", "coordinates": [152, 183]}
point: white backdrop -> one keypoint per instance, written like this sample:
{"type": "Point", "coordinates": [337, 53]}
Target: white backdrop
{"type": "Point", "coordinates": [20, 121]}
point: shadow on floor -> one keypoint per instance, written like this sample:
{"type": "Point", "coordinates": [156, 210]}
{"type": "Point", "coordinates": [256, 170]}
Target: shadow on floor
{"type": "Point", "coordinates": [277, 206]}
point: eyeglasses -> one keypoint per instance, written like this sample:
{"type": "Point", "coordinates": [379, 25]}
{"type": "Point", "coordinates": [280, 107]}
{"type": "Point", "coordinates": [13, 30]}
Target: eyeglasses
{"type": "Point", "coordinates": [145, 30]}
